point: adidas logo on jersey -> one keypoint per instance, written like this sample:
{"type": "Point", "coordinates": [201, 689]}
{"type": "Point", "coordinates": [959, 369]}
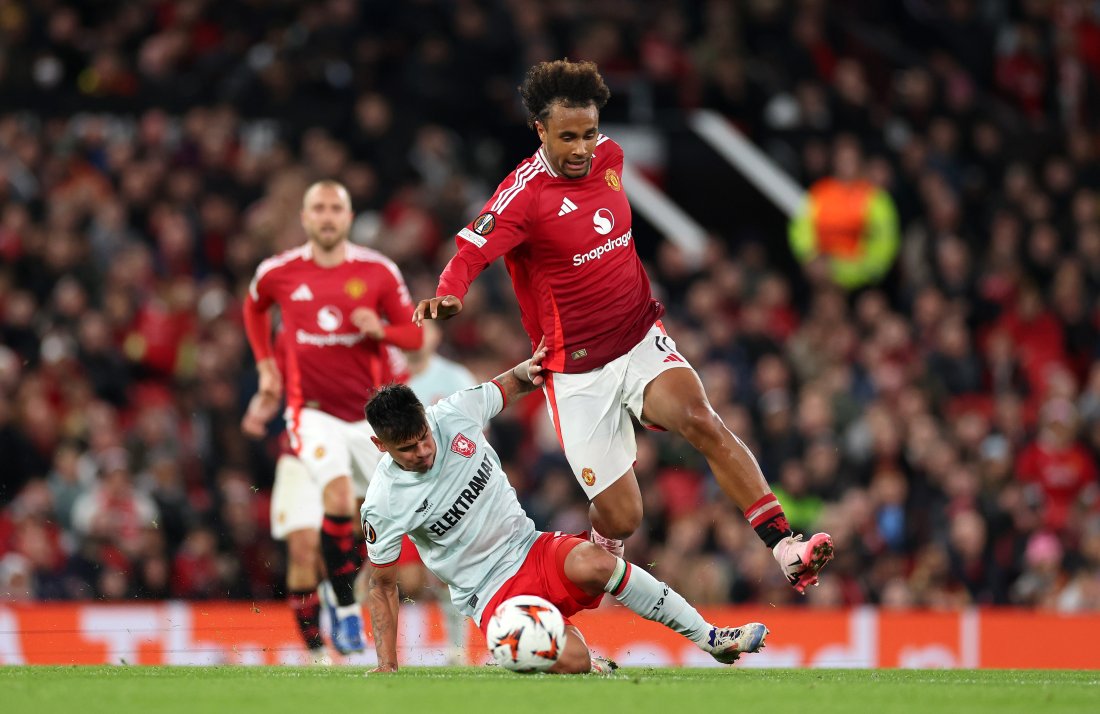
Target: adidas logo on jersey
{"type": "Point", "coordinates": [567, 206]}
{"type": "Point", "coordinates": [302, 293]}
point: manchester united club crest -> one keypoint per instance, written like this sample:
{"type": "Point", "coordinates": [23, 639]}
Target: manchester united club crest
{"type": "Point", "coordinates": [463, 446]}
{"type": "Point", "coordinates": [355, 288]}
{"type": "Point", "coordinates": [369, 533]}
{"type": "Point", "coordinates": [588, 476]}
{"type": "Point", "coordinates": [484, 224]}
{"type": "Point", "coordinates": [612, 179]}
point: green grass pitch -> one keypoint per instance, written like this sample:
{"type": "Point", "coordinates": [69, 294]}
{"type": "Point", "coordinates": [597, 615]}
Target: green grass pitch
{"type": "Point", "coordinates": [311, 690]}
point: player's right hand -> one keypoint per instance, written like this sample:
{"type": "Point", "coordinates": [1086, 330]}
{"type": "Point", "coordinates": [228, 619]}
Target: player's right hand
{"type": "Point", "coordinates": [437, 308]}
{"type": "Point", "coordinates": [261, 410]}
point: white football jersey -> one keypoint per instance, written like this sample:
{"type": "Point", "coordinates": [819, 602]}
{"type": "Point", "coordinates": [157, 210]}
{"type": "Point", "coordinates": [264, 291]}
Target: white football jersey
{"type": "Point", "coordinates": [462, 515]}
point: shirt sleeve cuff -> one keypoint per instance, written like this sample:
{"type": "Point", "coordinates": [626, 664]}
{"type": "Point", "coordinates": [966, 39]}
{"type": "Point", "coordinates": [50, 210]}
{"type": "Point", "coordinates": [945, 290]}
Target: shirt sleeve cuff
{"type": "Point", "coordinates": [503, 394]}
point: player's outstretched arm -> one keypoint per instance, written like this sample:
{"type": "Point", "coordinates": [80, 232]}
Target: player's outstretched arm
{"type": "Point", "coordinates": [437, 308]}
{"type": "Point", "coordinates": [382, 603]}
{"type": "Point", "coordinates": [525, 377]}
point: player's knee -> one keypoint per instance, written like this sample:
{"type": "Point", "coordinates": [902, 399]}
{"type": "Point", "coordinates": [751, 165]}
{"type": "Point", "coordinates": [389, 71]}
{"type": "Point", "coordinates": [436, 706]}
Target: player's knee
{"type": "Point", "coordinates": [338, 497]}
{"type": "Point", "coordinates": [589, 567]}
{"type": "Point", "coordinates": [621, 519]}
{"type": "Point", "coordinates": [412, 580]}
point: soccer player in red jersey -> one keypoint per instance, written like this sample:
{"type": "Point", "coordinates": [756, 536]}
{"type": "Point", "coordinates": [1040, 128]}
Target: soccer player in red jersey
{"type": "Point", "coordinates": [562, 222]}
{"type": "Point", "coordinates": [342, 306]}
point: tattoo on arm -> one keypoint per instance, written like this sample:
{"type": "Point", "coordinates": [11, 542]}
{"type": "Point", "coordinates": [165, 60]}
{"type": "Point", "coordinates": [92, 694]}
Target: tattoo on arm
{"type": "Point", "coordinates": [382, 602]}
{"type": "Point", "coordinates": [513, 386]}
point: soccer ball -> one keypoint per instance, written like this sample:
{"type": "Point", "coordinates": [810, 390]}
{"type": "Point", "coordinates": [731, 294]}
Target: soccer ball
{"type": "Point", "coordinates": [526, 634]}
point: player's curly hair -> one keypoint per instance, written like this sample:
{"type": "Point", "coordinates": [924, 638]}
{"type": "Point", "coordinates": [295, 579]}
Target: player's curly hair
{"type": "Point", "coordinates": [573, 84]}
{"type": "Point", "coordinates": [395, 414]}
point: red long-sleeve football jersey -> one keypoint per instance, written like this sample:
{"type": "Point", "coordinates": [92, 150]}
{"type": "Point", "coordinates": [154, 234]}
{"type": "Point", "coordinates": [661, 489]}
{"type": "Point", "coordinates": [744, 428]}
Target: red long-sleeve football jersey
{"type": "Point", "coordinates": [568, 246]}
{"type": "Point", "coordinates": [330, 365]}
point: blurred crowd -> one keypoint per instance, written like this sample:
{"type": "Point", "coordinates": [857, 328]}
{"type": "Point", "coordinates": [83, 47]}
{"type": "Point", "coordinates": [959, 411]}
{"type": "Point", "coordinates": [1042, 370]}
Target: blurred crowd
{"type": "Point", "coordinates": [943, 425]}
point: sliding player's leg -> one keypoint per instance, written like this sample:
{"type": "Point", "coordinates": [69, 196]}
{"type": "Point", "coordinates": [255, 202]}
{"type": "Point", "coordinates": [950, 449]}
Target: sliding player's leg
{"type": "Point", "coordinates": [594, 571]}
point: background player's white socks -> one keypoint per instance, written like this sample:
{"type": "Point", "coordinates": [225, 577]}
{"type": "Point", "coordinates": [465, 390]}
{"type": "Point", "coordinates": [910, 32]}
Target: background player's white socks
{"type": "Point", "coordinates": [653, 600]}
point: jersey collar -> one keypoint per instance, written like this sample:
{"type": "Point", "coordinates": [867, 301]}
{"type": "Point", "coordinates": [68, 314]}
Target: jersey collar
{"type": "Point", "coordinates": [541, 156]}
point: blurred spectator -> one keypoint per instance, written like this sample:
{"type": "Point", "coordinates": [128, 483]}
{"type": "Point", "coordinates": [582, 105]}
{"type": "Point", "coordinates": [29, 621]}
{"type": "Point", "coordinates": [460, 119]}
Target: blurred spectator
{"type": "Point", "coordinates": [114, 510]}
{"type": "Point", "coordinates": [1043, 575]}
{"type": "Point", "coordinates": [848, 228]}
{"type": "Point", "coordinates": [1062, 472]}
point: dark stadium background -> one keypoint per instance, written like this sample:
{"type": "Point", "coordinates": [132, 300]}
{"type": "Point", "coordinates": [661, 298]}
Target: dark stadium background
{"type": "Point", "coordinates": [151, 153]}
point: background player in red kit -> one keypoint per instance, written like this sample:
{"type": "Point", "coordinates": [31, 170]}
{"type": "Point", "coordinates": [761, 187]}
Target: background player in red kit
{"type": "Point", "coordinates": [341, 306]}
{"type": "Point", "coordinates": [563, 224]}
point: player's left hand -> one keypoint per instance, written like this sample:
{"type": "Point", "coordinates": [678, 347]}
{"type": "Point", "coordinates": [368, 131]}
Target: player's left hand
{"type": "Point", "coordinates": [368, 322]}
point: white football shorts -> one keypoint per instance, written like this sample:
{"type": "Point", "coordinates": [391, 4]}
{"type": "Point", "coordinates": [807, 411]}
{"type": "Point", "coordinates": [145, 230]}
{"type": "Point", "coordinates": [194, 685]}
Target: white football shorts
{"type": "Point", "coordinates": [592, 411]}
{"type": "Point", "coordinates": [331, 447]}
{"type": "Point", "coordinates": [295, 499]}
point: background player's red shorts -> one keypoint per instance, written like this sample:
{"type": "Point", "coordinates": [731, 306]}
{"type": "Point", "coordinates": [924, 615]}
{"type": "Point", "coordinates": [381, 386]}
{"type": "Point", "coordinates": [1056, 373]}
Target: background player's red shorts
{"type": "Point", "coordinates": [543, 574]}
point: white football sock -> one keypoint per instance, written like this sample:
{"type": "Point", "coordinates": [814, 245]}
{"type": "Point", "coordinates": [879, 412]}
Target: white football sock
{"type": "Point", "coordinates": [454, 622]}
{"type": "Point", "coordinates": [653, 600]}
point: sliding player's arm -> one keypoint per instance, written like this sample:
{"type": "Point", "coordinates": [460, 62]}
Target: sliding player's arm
{"type": "Point", "coordinates": [383, 538]}
{"type": "Point", "coordinates": [524, 378]}
{"type": "Point", "coordinates": [383, 603]}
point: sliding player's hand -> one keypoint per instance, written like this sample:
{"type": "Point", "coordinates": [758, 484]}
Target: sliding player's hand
{"type": "Point", "coordinates": [534, 365]}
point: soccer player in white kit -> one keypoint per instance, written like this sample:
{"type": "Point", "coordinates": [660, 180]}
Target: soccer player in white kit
{"type": "Point", "coordinates": [441, 483]}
